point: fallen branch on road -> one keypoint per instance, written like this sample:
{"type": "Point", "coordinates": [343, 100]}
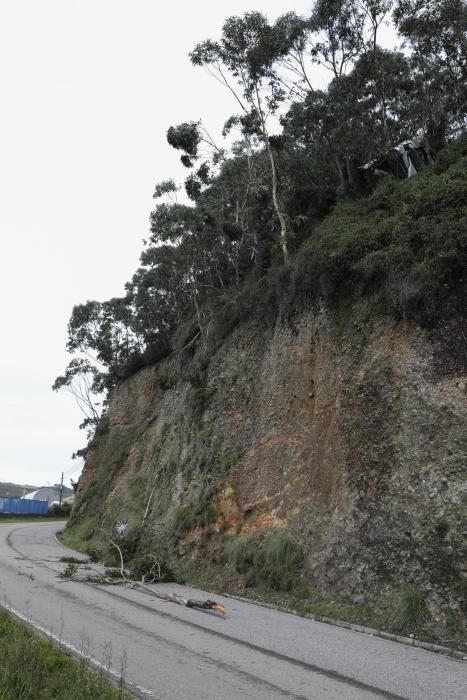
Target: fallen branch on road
{"type": "Point", "coordinates": [186, 602]}
{"type": "Point", "coordinates": [99, 578]}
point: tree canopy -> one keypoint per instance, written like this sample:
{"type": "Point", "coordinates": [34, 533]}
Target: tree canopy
{"type": "Point", "coordinates": [290, 152]}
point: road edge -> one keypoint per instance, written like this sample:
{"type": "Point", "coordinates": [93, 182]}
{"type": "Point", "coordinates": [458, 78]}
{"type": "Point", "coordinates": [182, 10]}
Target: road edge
{"type": "Point", "coordinates": [370, 631]}
{"type": "Point", "coordinates": [114, 677]}
{"type": "Point", "coordinates": [362, 629]}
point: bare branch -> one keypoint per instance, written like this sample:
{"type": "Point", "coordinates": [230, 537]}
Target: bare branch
{"type": "Point", "coordinates": [122, 568]}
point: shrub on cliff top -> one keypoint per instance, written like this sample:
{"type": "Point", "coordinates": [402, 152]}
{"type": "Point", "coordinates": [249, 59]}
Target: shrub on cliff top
{"type": "Point", "coordinates": [408, 238]}
{"type": "Point", "coordinates": [407, 242]}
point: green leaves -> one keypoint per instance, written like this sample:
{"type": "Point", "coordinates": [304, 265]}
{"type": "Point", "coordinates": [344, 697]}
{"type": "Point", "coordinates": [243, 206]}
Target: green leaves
{"type": "Point", "coordinates": [185, 137]}
{"type": "Point", "coordinates": [166, 187]}
{"type": "Point", "coordinates": [202, 255]}
{"type": "Point", "coordinates": [435, 32]}
{"type": "Point", "coordinates": [248, 50]}
{"type": "Point", "coordinates": [407, 239]}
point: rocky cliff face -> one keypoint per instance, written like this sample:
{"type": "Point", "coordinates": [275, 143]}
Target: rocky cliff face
{"type": "Point", "coordinates": [345, 428]}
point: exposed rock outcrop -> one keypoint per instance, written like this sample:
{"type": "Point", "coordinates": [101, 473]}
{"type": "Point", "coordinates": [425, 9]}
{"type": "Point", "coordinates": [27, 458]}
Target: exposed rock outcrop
{"type": "Point", "coordinates": [345, 428]}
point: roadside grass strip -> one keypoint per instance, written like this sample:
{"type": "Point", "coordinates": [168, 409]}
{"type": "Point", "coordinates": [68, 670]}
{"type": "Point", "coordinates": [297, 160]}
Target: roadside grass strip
{"type": "Point", "coordinates": [40, 669]}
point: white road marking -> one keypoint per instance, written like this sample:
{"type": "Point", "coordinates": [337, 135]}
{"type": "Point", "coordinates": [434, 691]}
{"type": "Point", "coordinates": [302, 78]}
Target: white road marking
{"type": "Point", "coordinates": [76, 652]}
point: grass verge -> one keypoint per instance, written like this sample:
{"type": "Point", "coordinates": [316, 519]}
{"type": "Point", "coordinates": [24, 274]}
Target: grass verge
{"type": "Point", "coordinates": [30, 520]}
{"type": "Point", "coordinates": [37, 669]}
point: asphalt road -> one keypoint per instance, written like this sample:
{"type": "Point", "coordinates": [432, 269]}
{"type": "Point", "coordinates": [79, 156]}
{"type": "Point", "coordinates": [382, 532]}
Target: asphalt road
{"type": "Point", "coordinates": [174, 653]}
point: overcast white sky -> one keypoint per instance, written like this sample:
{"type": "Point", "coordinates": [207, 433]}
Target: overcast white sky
{"type": "Point", "coordinates": [88, 90]}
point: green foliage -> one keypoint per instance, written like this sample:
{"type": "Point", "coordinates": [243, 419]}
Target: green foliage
{"type": "Point", "coordinates": [69, 571]}
{"type": "Point", "coordinates": [111, 462]}
{"type": "Point", "coordinates": [72, 560]}
{"type": "Point", "coordinates": [104, 329]}
{"type": "Point", "coordinates": [218, 261]}
{"type": "Point", "coordinates": [86, 529]}
{"type": "Point", "coordinates": [408, 238]}
{"type": "Point", "coordinates": [241, 553]}
{"type": "Point", "coordinates": [129, 543]}
{"type": "Point", "coordinates": [196, 378]}
{"type": "Point", "coordinates": [112, 573]}
{"type": "Point", "coordinates": [60, 511]}
{"type": "Point", "coordinates": [86, 384]}
{"type": "Point", "coordinates": [185, 333]}
{"type": "Point", "coordinates": [199, 400]}
{"type": "Point", "coordinates": [150, 567]}
{"type": "Point", "coordinates": [259, 301]}
{"type": "Point", "coordinates": [411, 612]}
{"type": "Point", "coordinates": [197, 514]}
{"type": "Point", "coordinates": [93, 554]}
{"type": "Point", "coordinates": [94, 540]}
{"type": "Point", "coordinates": [281, 550]}
{"type": "Point", "coordinates": [274, 560]}
{"type": "Point", "coordinates": [166, 187]}
{"type": "Point", "coordinates": [32, 667]}
{"type": "Point", "coordinates": [78, 535]}
{"type": "Point", "coordinates": [229, 460]}
{"type": "Point", "coordinates": [435, 29]}
{"type": "Point", "coordinates": [20, 517]}
{"type": "Point", "coordinates": [137, 488]}
{"type": "Point", "coordinates": [461, 589]}
{"type": "Point", "coordinates": [164, 381]}
{"type": "Point", "coordinates": [186, 138]}
{"type": "Point", "coordinates": [452, 155]}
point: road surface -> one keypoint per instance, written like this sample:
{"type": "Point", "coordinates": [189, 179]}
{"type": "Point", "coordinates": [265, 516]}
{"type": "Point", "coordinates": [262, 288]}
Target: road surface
{"type": "Point", "coordinates": [174, 653]}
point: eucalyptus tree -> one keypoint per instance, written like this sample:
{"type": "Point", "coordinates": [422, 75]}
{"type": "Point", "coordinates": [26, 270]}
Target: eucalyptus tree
{"type": "Point", "coordinates": [101, 340]}
{"type": "Point", "coordinates": [196, 143]}
{"type": "Point", "coordinates": [189, 256]}
{"type": "Point", "coordinates": [168, 189]}
{"type": "Point", "coordinates": [86, 384]}
{"type": "Point", "coordinates": [375, 98]}
{"type": "Point", "coordinates": [338, 26]}
{"type": "Point", "coordinates": [435, 33]}
{"type": "Point", "coordinates": [338, 35]}
{"type": "Point", "coordinates": [244, 61]}
{"type": "Point", "coordinates": [230, 205]}
{"type": "Point", "coordinates": [334, 35]}
{"type": "Point", "coordinates": [103, 332]}
{"type": "Point", "coordinates": [155, 296]}
{"type": "Point", "coordinates": [294, 49]}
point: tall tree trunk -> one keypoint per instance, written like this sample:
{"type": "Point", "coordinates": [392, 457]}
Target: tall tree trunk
{"type": "Point", "coordinates": [277, 206]}
{"type": "Point", "coordinates": [336, 162]}
{"type": "Point", "coordinates": [275, 197]}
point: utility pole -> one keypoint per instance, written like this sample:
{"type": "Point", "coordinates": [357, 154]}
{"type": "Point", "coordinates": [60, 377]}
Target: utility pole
{"type": "Point", "coordinates": [61, 489]}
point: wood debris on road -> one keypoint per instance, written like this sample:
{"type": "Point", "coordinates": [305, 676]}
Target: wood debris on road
{"type": "Point", "coordinates": [186, 602]}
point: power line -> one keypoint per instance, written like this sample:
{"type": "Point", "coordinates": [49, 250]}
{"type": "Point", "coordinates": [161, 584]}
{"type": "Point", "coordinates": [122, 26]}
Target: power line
{"type": "Point", "coordinates": [72, 471]}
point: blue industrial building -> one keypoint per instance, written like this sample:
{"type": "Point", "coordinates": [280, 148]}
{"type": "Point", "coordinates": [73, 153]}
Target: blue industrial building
{"type": "Point", "coordinates": [23, 506]}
